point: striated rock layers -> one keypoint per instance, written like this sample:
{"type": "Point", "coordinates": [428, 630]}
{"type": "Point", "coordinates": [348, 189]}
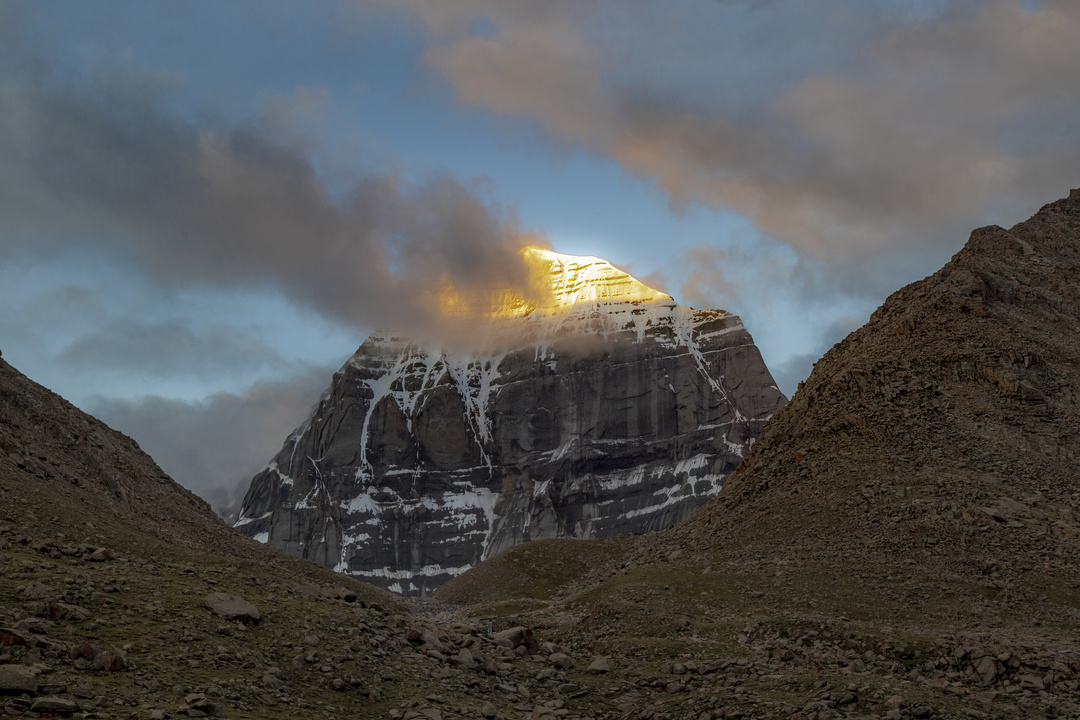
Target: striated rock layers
{"type": "Point", "coordinates": [614, 410]}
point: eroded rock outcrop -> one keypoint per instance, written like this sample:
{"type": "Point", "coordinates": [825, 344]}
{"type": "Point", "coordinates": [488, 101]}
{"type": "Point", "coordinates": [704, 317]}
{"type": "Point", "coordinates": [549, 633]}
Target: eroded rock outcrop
{"type": "Point", "coordinates": [613, 410]}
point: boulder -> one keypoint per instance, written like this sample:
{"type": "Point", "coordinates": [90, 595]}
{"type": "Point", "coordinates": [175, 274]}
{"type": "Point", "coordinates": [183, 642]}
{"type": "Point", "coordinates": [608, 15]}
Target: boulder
{"type": "Point", "coordinates": [37, 591]}
{"type": "Point", "coordinates": [561, 661]}
{"type": "Point", "coordinates": [429, 638]}
{"type": "Point", "coordinates": [12, 637]}
{"type": "Point", "coordinates": [599, 666]}
{"type": "Point", "coordinates": [53, 705]}
{"type": "Point", "coordinates": [111, 660]}
{"type": "Point", "coordinates": [231, 607]}
{"type": "Point", "coordinates": [517, 637]}
{"type": "Point", "coordinates": [17, 679]}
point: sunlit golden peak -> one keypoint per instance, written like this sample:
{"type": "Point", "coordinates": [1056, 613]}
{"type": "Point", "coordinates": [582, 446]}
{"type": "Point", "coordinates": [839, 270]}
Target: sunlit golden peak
{"type": "Point", "coordinates": [573, 279]}
{"type": "Point", "coordinates": [554, 283]}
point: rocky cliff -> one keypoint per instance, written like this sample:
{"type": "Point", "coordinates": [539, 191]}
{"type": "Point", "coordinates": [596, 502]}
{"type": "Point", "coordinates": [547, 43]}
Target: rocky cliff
{"type": "Point", "coordinates": [604, 408]}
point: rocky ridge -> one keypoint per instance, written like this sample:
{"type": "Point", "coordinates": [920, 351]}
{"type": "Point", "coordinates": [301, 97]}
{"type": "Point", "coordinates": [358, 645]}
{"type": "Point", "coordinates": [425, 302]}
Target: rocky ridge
{"type": "Point", "coordinates": [940, 441]}
{"type": "Point", "coordinates": [605, 409]}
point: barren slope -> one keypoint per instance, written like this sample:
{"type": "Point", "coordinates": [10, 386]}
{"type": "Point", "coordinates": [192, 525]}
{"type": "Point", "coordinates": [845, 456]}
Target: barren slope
{"type": "Point", "coordinates": [934, 454]}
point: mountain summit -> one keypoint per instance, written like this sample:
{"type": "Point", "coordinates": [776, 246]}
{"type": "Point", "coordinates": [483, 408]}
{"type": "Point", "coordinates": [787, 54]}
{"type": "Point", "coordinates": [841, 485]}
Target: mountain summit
{"type": "Point", "coordinates": [599, 407]}
{"type": "Point", "coordinates": [557, 283]}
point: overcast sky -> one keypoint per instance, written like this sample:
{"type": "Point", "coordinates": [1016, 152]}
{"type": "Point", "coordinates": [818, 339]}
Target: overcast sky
{"type": "Point", "coordinates": [205, 206]}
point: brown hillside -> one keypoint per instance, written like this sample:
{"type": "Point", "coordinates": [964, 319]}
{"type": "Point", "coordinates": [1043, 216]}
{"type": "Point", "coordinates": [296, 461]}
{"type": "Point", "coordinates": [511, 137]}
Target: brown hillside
{"type": "Point", "coordinates": [932, 459]}
{"type": "Point", "coordinates": [63, 450]}
{"type": "Point", "coordinates": [107, 568]}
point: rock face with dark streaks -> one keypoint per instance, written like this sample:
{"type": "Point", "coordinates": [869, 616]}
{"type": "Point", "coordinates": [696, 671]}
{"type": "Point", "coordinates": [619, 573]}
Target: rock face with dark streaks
{"type": "Point", "coordinates": [613, 410]}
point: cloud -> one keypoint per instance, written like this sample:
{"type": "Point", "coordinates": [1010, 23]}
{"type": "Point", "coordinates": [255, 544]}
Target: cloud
{"type": "Point", "coordinates": [786, 301]}
{"type": "Point", "coordinates": [791, 371]}
{"type": "Point", "coordinates": [107, 159]}
{"type": "Point", "coordinates": [885, 129]}
{"type": "Point", "coordinates": [214, 447]}
{"type": "Point", "coordinates": [168, 349]}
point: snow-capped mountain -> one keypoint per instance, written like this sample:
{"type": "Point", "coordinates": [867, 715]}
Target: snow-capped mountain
{"type": "Point", "coordinates": [602, 407]}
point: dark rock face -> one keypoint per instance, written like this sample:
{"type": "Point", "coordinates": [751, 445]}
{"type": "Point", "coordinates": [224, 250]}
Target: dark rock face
{"type": "Point", "coordinates": [615, 416]}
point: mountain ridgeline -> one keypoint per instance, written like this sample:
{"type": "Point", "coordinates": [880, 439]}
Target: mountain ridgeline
{"type": "Point", "coordinates": [613, 410]}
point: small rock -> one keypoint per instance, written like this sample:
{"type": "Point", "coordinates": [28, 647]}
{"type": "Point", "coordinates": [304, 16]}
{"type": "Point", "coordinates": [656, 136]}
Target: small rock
{"type": "Point", "coordinates": [561, 661]}
{"type": "Point", "coordinates": [599, 666]}
{"type": "Point", "coordinates": [100, 555]}
{"type": "Point", "coordinates": [488, 710]}
{"type": "Point", "coordinates": [53, 704]}
{"type": "Point", "coordinates": [111, 660]}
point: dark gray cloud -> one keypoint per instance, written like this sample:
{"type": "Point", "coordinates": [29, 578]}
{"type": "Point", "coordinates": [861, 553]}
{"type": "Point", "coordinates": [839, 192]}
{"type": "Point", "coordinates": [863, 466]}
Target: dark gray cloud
{"type": "Point", "coordinates": [107, 159]}
{"type": "Point", "coordinates": [216, 446]}
{"type": "Point", "coordinates": [168, 349]}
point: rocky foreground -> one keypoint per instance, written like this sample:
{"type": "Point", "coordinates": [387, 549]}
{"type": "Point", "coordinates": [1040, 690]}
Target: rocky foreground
{"type": "Point", "coordinates": [89, 634]}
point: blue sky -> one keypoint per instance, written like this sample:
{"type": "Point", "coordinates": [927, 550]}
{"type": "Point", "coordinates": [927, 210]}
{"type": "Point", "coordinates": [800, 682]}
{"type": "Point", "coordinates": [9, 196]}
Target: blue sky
{"type": "Point", "coordinates": [207, 205]}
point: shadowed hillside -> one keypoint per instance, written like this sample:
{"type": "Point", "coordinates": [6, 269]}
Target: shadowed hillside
{"type": "Point", "coordinates": [111, 585]}
{"type": "Point", "coordinates": [932, 459]}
